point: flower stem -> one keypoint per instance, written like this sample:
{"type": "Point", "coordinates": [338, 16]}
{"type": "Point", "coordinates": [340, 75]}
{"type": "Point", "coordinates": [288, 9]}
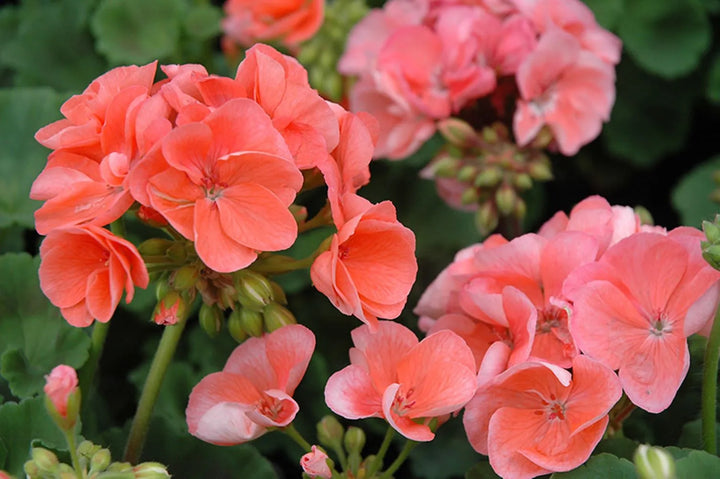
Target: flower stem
{"type": "Point", "coordinates": [377, 463]}
{"type": "Point", "coordinates": [151, 389]}
{"type": "Point", "coordinates": [409, 446]}
{"type": "Point", "coordinates": [297, 437]}
{"type": "Point", "coordinates": [97, 343]}
{"type": "Point", "coordinates": [709, 387]}
{"type": "Point", "coordinates": [72, 448]}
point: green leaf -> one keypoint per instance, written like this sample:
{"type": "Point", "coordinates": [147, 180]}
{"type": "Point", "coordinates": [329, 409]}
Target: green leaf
{"type": "Point", "coordinates": [607, 12]}
{"type": "Point", "coordinates": [617, 446]}
{"type": "Point", "coordinates": [203, 21]}
{"type": "Point", "coordinates": [601, 466]}
{"type": "Point", "coordinates": [20, 425]}
{"type": "Point", "coordinates": [53, 47]}
{"type": "Point", "coordinates": [698, 464]}
{"type": "Point", "coordinates": [691, 197]}
{"type": "Point", "coordinates": [137, 31]}
{"type": "Point", "coordinates": [691, 435]}
{"type": "Point", "coordinates": [668, 38]}
{"type": "Point", "coordinates": [651, 117]}
{"type": "Point", "coordinates": [713, 81]}
{"type": "Point", "coordinates": [481, 470]}
{"type": "Point", "coordinates": [22, 112]}
{"type": "Point", "coordinates": [34, 338]}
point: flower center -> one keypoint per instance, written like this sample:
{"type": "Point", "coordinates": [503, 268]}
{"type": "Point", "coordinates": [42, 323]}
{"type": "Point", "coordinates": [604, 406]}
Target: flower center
{"type": "Point", "coordinates": [403, 402]}
{"type": "Point", "coordinates": [550, 317]}
{"type": "Point", "coordinates": [553, 410]}
{"type": "Point", "coordinates": [270, 407]}
{"type": "Point", "coordinates": [660, 325]}
{"type": "Point", "coordinates": [213, 189]}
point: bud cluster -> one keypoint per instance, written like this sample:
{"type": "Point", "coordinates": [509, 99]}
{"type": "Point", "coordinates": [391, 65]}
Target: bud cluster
{"type": "Point", "coordinates": [94, 463]}
{"type": "Point", "coordinates": [486, 171]}
{"type": "Point", "coordinates": [347, 444]}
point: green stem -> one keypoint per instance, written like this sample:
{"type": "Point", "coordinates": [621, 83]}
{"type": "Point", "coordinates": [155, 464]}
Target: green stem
{"type": "Point", "coordinates": [151, 389]}
{"type": "Point", "coordinates": [409, 446]}
{"type": "Point", "coordinates": [322, 218]}
{"type": "Point", "coordinates": [70, 438]}
{"type": "Point", "coordinates": [97, 343]}
{"type": "Point", "coordinates": [709, 387]}
{"type": "Point", "coordinates": [377, 463]}
{"type": "Point", "coordinates": [297, 437]}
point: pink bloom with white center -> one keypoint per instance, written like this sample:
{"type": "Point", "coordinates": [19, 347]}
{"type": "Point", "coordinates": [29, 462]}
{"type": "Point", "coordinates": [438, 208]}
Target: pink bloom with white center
{"type": "Point", "coordinates": [567, 89]}
{"type": "Point", "coordinates": [393, 376]}
{"type": "Point", "coordinates": [254, 390]}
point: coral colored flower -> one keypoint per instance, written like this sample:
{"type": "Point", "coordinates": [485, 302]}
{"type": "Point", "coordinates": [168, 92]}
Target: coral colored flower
{"type": "Point", "coordinates": [566, 88]}
{"type": "Point", "coordinates": [59, 384]}
{"type": "Point", "coordinates": [314, 463]}
{"type": "Point", "coordinates": [632, 311]}
{"type": "Point", "coordinates": [370, 266]}
{"type": "Point", "coordinates": [536, 418]}
{"type": "Point", "coordinates": [286, 21]}
{"type": "Point", "coordinates": [392, 375]}
{"type": "Point", "coordinates": [83, 271]}
{"type": "Point", "coordinates": [254, 390]}
{"type": "Point", "coordinates": [228, 186]}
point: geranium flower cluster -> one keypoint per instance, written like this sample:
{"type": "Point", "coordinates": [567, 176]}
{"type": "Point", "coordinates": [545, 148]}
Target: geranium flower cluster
{"type": "Point", "coordinates": [217, 163]}
{"type": "Point", "coordinates": [593, 292]}
{"type": "Point", "coordinates": [421, 61]}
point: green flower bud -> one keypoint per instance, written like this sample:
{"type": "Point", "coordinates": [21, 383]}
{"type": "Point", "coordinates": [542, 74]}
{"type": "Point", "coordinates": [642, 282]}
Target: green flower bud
{"type": "Point", "coordinates": [654, 463]}
{"type": "Point", "coordinates": [445, 166]}
{"type": "Point", "coordinates": [712, 230]}
{"type": "Point", "coordinates": [154, 246]}
{"type": "Point", "coordinates": [185, 277]}
{"type": "Point", "coordinates": [470, 196]}
{"type": "Point", "coordinates": [120, 467]}
{"type": "Point", "coordinates": [540, 170]}
{"type": "Point", "coordinates": [488, 177]}
{"type": "Point", "coordinates": [235, 326]}
{"type": "Point", "coordinates": [330, 432]}
{"type": "Point", "coordinates": [161, 289]}
{"type": "Point", "coordinates": [490, 135]}
{"type": "Point", "coordinates": [354, 440]}
{"type": "Point", "coordinates": [467, 173]}
{"type": "Point", "coordinates": [645, 215]}
{"type": "Point", "coordinates": [711, 247]}
{"type": "Point", "coordinates": [87, 449]}
{"type": "Point", "coordinates": [150, 470]}
{"type": "Point", "coordinates": [210, 319]}
{"type": "Point", "coordinates": [486, 218]}
{"type": "Point", "coordinates": [170, 309]}
{"type": "Point", "coordinates": [254, 289]}
{"type": "Point", "coordinates": [278, 293]}
{"type": "Point", "coordinates": [457, 131]}
{"type": "Point", "coordinates": [100, 460]}
{"type": "Point", "coordinates": [45, 460]}
{"type": "Point", "coordinates": [31, 469]}
{"type": "Point", "coordinates": [505, 198]}
{"type": "Point", "coordinates": [177, 252]}
{"type": "Point", "coordinates": [276, 316]}
{"type": "Point", "coordinates": [252, 322]}
{"type": "Point", "coordinates": [520, 209]}
{"type": "Point", "coordinates": [522, 181]}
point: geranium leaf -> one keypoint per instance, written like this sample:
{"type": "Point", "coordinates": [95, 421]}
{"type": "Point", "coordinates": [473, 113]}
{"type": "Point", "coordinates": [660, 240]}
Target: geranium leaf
{"type": "Point", "coordinates": [691, 196]}
{"type": "Point", "coordinates": [601, 466]}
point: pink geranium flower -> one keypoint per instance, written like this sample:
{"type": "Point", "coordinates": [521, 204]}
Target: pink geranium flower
{"type": "Point", "coordinates": [59, 384]}
{"type": "Point", "coordinates": [537, 418]}
{"type": "Point", "coordinates": [314, 463]}
{"type": "Point", "coordinates": [370, 266]}
{"type": "Point", "coordinates": [408, 383]}
{"type": "Point", "coordinates": [83, 271]}
{"type": "Point", "coordinates": [228, 186]}
{"type": "Point", "coordinates": [566, 88]}
{"type": "Point", "coordinates": [254, 390]}
{"type": "Point", "coordinates": [632, 311]}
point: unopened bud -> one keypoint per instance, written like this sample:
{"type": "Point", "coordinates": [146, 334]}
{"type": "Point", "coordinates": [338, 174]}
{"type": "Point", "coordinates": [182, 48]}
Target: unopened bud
{"type": "Point", "coordinates": [711, 253]}
{"type": "Point", "coordinates": [185, 277]}
{"type": "Point", "coordinates": [120, 467]}
{"type": "Point", "coordinates": [489, 177]}
{"type": "Point", "coordinates": [654, 463]}
{"type": "Point", "coordinates": [235, 326]}
{"type": "Point", "coordinates": [470, 196]}
{"type": "Point", "coordinates": [31, 470]}
{"type": "Point", "coordinates": [644, 215]}
{"type": "Point", "coordinates": [443, 167]}
{"type": "Point", "coordinates": [170, 309]}
{"type": "Point", "coordinates": [300, 213]}
{"type": "Point", "coordinates": [467, 173]}
{"type": "Point", "coordinates": [100, 460]}
{"type": "Point", "coordinates": [87, 449]}
{"type": "Point", "coordinates": [210, 319]}
{"type": "Point", "coordinates": [45, 460]}
{"type": "Point", "coordinates": [330, 432]}
{"type": "Point", "coordinates": [150, 470]}
{"type": "Point", "coordinates": [154, 246]}
{"type": "Point", "coordinates": [520, 209]}
{"type": "Point", "coordinates": [251, 321]}
{"type": "Point", "coordinates": [712, 230]}
{"type": "Point", "coordinates": [457, 131]}
{"type": "Point", "coordinates": [276, 316]}
{"type": "Point", "coordinates": [540, 170]}
{"type": "Point", "coordinates": [177, 252]}
{"type": "Point", "coordinates": [354, 439]}
{"type": "Point", "coordinates": [522, 181]}
{"type": "Point", "coordinates": [486, 218]}
{"type": "Point", "coordinates": [490, 135]}
{"type": "Point", "coordinates": [505, 198]}
{"type": "Point", "coordinates": [254, 289]}
{"type": "Point", "coordinates": [278, 293]}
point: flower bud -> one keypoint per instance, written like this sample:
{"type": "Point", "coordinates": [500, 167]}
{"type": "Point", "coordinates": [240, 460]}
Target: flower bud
{"type": "Point", "coordinates": [150, 470]}
{"type": "Point", "coordinates": [354, 440]}
{"type": "Point", "coordinates": [254, 290]}
{"type": "Point", "coordinates": [185, 277]}
{"type": "Point", "coordinates": [711, 247]}
{"type": "Point", "coordinates": [62, 396]}
{"type": "Point", "coordinates": [45, 460]}
{"type": "Point", "coordinates": [235, 326]}
{"type": "Point", "coordinates": [644, 215]}
{"type": "Point", "coordinates": [87, 449]}
{"type": "Point", "coordinates": [520, 209]}
{"type": "Point", "coordinates": [470, 196]}
{"type": "Point", "coordinates": [712, 230]}
{"type": "Point", "coordinates": [120, 467]}
{"type": "Point", "coordinates": [505, 198]}
{"type": "Point", "coordinates": [154, 247]}
{"type": "Point", "coordinates": [443, 167]}
{"type": "Point", "coordinates": [252, 322]}
{"type": "Point", "coordinates": [210, 319]}
{"type": "Point", "coordinates": [540, 170]}
{"type": "Point", "coordinates": [330, 432]}
{"type": "Point", "coordinates": [489, 177]}
{"type": "Point", "coordinates": [177, 252]}
{"type": "Point", "coordinates": [467, 173]}
{"type": "Point", "coordinates": [654, 463]}
{"type": "Point", "coordinates": [170, 309]}
{"type": "Point", "coordinates": [522, 181]}
{"type": "Point", "coordinates": [278, 293]}
{"type": "Point", "coordinates": [486, 218]}
{"type": "Point", "coordinates": [100, 460]}
{"type": "Point", "coordinates": [31, 470]}
{"type": "Point", "coordinates": [456, 131]}
{"type": "Point", "coordinates": [276, 316]}
{"type": "Point", "coordinates": [315, 463]}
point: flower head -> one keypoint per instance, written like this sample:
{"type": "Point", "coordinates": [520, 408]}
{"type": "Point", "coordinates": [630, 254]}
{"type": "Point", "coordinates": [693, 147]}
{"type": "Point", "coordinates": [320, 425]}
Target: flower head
{"type": "Point", "coordinates": [59, 384]}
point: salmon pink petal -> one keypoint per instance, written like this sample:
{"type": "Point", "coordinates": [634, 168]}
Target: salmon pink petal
{"type": "Point", "coordinates": [173, 195]}
{"type": "Point", "coordinates": [289, 350]}
{"type": "Point", "coordinates": [383, 350]}
{"type": "Point", "coordinates": [187, 148]}
{"type": "Point", "coordinates": [351, 394]}
{"type": "Point", "coordinates": [563, 254]}
{"type": "Point", "coordinates": [273, 172]}
{"type": "Point", "coordinates": [81, 204]}
{"type": "Point", "coordinates": [595, 390]}
{"type": "Point", "coordinates": [522, 319]}
{"type": "Point", "coordinates": [403, 424]}
{"type": "Point", "coordinates": [275, 409]}
{"type": "Point", "coordinates": [77, 315]}
{"type": "Point", "coordinates": [214, 246]}
{"type": "Point", "coordinates": [99, 298]}
{"type": "Point", "coordinates": [254, 217]}
{"type": "Point", "coordinates": [216, 91]}
{"type": "Point", "coordinates": [250, 359]}
{"type": "Point", "coordinates": [65, 134]}
{"type": "Point", "coordinates": [217, 408]}
{"type": "Point", "coordinates": [494, 362]}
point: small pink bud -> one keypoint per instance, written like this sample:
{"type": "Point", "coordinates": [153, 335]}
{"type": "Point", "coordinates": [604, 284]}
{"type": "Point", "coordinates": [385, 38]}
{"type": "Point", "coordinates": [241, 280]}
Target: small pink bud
{"type": "Point", "coordinates": [59, 384]}
{"type": "Point", "coordinates": [314, 463]}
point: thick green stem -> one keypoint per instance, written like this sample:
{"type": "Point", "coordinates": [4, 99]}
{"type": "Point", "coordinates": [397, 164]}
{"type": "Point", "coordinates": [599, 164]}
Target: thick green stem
{"type": "Point", "coordinates": [72, 447]}
{"type": "Point", "coordinates": [97, 343]}
{"type": "Point", "coordinates": [297, 437]}
{"type": "Point", "coordinates": [377, 463]}
{"type": "Point", "coordinates": [409, 446]}
{"type": "Point", "coordinates": [709, 387]}
{"type": "Point", "coordinates": [151, 389]}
